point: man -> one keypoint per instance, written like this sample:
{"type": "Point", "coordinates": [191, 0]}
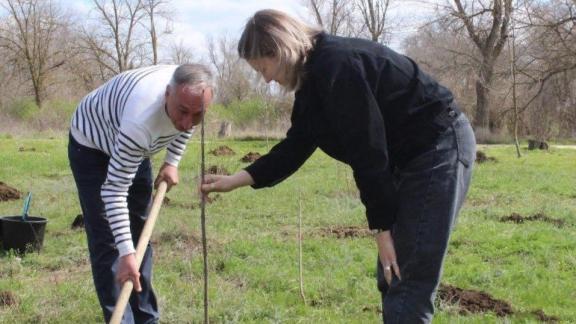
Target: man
{"type": "Point", "coordinates": [114, 131]}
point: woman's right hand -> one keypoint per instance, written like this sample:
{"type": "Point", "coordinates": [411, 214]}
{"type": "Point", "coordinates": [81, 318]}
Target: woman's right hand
{"type": "Point", "coordinates": [223, 183]}
{"type": "Point", "coordinates": [217, 183]}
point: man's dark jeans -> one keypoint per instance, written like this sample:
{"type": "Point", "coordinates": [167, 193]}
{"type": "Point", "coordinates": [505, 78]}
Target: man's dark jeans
{"type": "Point", "coordinates": [89, 167]}
{"type": "Point", "coordinates": [431, 189]}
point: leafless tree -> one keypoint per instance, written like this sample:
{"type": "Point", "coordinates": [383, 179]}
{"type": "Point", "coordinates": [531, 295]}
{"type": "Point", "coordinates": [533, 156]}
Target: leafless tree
{"type": "Point", "coordinates": [114, 42]}
{"type": "Point", "coordinates": [29, 35]}
{"type": "Point", "coordinates": [335, 16]}
{"type": "Point", "coordinates": [374, 15]}
{"type": "Point", "coordinates": [180, 54]}
{"type": "Point", "coordinates": [155, 9]}
{"type": "Point", "coordinates": [546, 67]}
{"type": "Point", "coordinates": [235, 79]}
{"type": "Point", "coordinates": [486, 23]}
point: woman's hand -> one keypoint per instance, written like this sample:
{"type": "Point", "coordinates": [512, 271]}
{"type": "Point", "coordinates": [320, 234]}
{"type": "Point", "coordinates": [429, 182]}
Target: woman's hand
{"type": "Point", "coordinates": [127, 270]}
{"type": "Point", "coordinates": [387, 255]}
{"type": "Point", "coordinates": [222, 183]}
{"type": "Point", "coordinates": [168, 173]}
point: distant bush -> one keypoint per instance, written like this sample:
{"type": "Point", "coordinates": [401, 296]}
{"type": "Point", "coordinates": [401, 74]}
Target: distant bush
{"type": "Point", "coordinates": [23, 109]}
{"type": "Point", "coordinates": [485, 136]}
{"type": "Point", "coordinates": [247, 113]}
{"type": "Point", "coordinates": [54, 115]}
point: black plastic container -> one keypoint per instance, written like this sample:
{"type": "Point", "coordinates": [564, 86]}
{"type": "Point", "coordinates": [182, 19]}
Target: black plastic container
{"type": "Point", "coordinates": [23, 236]}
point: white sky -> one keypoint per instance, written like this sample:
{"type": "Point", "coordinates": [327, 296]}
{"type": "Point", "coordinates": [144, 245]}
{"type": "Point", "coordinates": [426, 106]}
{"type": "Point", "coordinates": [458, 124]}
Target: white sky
{"type": "Point", "coordinates": [196, 20]}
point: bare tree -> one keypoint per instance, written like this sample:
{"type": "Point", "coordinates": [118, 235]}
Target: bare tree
{"type": "Point", "coordinates": [374, 14]}
{"type": "Point", "coordinates": [114, 42]}
{"type": "Point", "coordinates": [28, 35]}
{"type": "Point", "coordinates": [335, 16]}
{"type": "Point", "coordinates": [512, 49]}
{"type": "Point", "coordinates": [155, 9]}
{"type": "Point", "coordinates": [547, 67]}
{"type": "Point", "coordinates": [180, 54]}
{"type": "Point", "coordinates": [234, 78]}
{"type": "Point", "coordinates": [487, 25]}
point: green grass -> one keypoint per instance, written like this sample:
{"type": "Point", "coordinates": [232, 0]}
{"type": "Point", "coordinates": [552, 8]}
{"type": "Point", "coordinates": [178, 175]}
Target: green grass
{"type": "Point", "coordinates": [253, 246]}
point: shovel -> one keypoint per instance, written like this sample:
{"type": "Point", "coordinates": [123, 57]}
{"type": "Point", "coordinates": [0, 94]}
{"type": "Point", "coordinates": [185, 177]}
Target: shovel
{"type": "Point", "coordinates": [26, 207]}
{"type": "Point", "coordinates": [140, 249]}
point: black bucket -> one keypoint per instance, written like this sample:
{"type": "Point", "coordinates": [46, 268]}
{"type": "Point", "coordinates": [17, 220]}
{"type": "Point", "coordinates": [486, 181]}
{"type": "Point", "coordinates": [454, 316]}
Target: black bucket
{"type": "Point", "coordinates": [23, 236]}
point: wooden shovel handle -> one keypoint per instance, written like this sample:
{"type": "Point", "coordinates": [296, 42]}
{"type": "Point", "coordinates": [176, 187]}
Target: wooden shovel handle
{"type": "Point", "coordinates": [140, 250]}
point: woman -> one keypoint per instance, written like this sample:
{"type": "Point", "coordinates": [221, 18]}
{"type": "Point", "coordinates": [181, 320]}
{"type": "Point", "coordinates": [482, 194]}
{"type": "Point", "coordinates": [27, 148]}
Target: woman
{"type": "Point", "coordinates": [409, 146]}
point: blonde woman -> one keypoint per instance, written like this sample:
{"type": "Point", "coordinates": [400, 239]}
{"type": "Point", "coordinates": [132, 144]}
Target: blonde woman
{"type": "Point", "coordinates": [410, 148]}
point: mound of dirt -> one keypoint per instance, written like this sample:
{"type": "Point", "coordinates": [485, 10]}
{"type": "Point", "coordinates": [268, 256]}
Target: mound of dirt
{"type": "Point", "coordinates": [8, 193]}
{"type": "Point", "coordinates": [222, 151]}
{"type": "Point", "coordinates": [251, 157]}
{"type": "Point", "coordinates": [78, 222]}
{"type": "Point", "coordinates": [26, 149]}
{"type": "Point", "coordinates": [190, 205]}
{"type": "Point", "coordinates": [211, 199]}
{"type": "Point", "coordinates": [472, 301]}
{"type": "Point", "coordinates": [7, 299]}
{"type": "Point", "coordinates": [215, 169]}
{"type": "Point", "coordinates": [481, 157]}
{"type": "Point", "coordinates": [187, 238]}
{"type": "Point", "coordinates": [345, 232]}
{"type": "Point", "coordinates": [519, 219]}
{"type": "Point", "coordinates": [541, 316]}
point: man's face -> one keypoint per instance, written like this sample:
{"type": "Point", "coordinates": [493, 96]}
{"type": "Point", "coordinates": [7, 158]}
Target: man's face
{"type": "Point", "coordinates": [184, 107]}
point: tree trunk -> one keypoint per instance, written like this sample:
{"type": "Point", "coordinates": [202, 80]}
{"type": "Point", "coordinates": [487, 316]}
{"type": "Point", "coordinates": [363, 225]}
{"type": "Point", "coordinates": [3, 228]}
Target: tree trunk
{"type": "Point", "coordinates": [483, 102]}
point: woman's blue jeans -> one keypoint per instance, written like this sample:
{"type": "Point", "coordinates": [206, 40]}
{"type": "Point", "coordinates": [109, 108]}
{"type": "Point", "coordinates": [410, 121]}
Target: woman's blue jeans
{"type": "Point", "coordinates": [90, 167]}
{"type": "Point", "coordinates": [431, 190]}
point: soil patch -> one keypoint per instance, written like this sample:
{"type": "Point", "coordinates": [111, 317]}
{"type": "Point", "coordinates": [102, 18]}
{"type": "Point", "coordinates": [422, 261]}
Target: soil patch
{"type": "Point", "coordinates": [189, 239]}
{"type": "Point", "coordinates": [541, 316]}
{"type": "Point", "coordinates": [481, 157]}
{"type": "Point", "coordinates": [26, 149]}
{"type": "Point", "coordinates": [345, 232]}
{"type": "Point", "coordinates": [8, 193]}
{"type": "Point", "coordinates": [190, 205]}
{"type": "Point", "coordinates": [519, 219]}
{"type": "Point", "coordinates": [78, 222]}
{"type": "Point", "coordinates": [222, 151]}
{"type": "Point", "coordinates": [372, 309]}
{"type": "Point", "coordinates": [251, 157]}
{"type": "Point", "coordinates": [215, 169]}
{"type": "Point", "coordinates": [472, 301]}
{"type": "Point", "coordinates": [7, 298]}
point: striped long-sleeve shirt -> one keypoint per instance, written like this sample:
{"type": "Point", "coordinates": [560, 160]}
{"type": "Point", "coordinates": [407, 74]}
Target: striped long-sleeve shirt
{"type": "Point", "coordinates": [126, 119]}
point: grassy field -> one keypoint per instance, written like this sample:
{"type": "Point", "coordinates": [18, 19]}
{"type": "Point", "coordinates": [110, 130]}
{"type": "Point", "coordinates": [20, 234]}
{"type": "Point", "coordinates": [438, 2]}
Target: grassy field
{"type": "Point", "coordinates": [253, 245]}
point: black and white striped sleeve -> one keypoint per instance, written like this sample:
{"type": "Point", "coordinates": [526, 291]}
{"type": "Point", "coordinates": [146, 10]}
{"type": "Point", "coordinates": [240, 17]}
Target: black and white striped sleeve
{"type": "Point", "coordinates": [176, 148]}
{"type": "Point", "coordinates": [129, 151]}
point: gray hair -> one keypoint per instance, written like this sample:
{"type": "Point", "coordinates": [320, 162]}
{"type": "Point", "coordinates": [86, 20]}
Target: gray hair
{"type": "Point", "coordinates": [197, 76]}
{"type": "Point", "coordinates": [272, 33]}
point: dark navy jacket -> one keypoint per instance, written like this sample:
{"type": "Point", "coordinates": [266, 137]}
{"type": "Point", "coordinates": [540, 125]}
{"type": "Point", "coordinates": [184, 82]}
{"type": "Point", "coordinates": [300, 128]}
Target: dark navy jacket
{"type": "Point", "coordinates": [365, 105]}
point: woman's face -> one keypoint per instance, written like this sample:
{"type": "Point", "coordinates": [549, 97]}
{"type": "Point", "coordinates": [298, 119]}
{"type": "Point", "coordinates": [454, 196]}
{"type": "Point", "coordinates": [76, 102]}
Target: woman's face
{"type": "Point", "coordinates": [270, 69]}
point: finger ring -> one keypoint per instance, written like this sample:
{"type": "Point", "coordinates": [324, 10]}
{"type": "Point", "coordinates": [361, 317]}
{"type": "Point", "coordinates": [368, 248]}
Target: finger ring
{"type": "Point", "coordinates": [394, 263]}
{"type": "Point", "coordinates": [387, 268]}
{"type": "Point", "coordinates": [212, 186]}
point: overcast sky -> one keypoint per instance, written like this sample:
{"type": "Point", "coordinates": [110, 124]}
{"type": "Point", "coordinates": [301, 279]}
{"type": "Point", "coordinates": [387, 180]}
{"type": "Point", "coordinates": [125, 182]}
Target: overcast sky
{"type": "Point", "coordinates": [196, 20]}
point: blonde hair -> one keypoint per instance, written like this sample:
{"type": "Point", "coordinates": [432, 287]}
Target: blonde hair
{"type": "Point", "coordinates": [272, 33]}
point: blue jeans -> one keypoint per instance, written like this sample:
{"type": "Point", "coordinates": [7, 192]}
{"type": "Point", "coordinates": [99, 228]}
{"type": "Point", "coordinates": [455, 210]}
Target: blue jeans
{"type": "Point", "coordinates": [431, 190]}
{"type": "Point", "coordinates": [90, 167]}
